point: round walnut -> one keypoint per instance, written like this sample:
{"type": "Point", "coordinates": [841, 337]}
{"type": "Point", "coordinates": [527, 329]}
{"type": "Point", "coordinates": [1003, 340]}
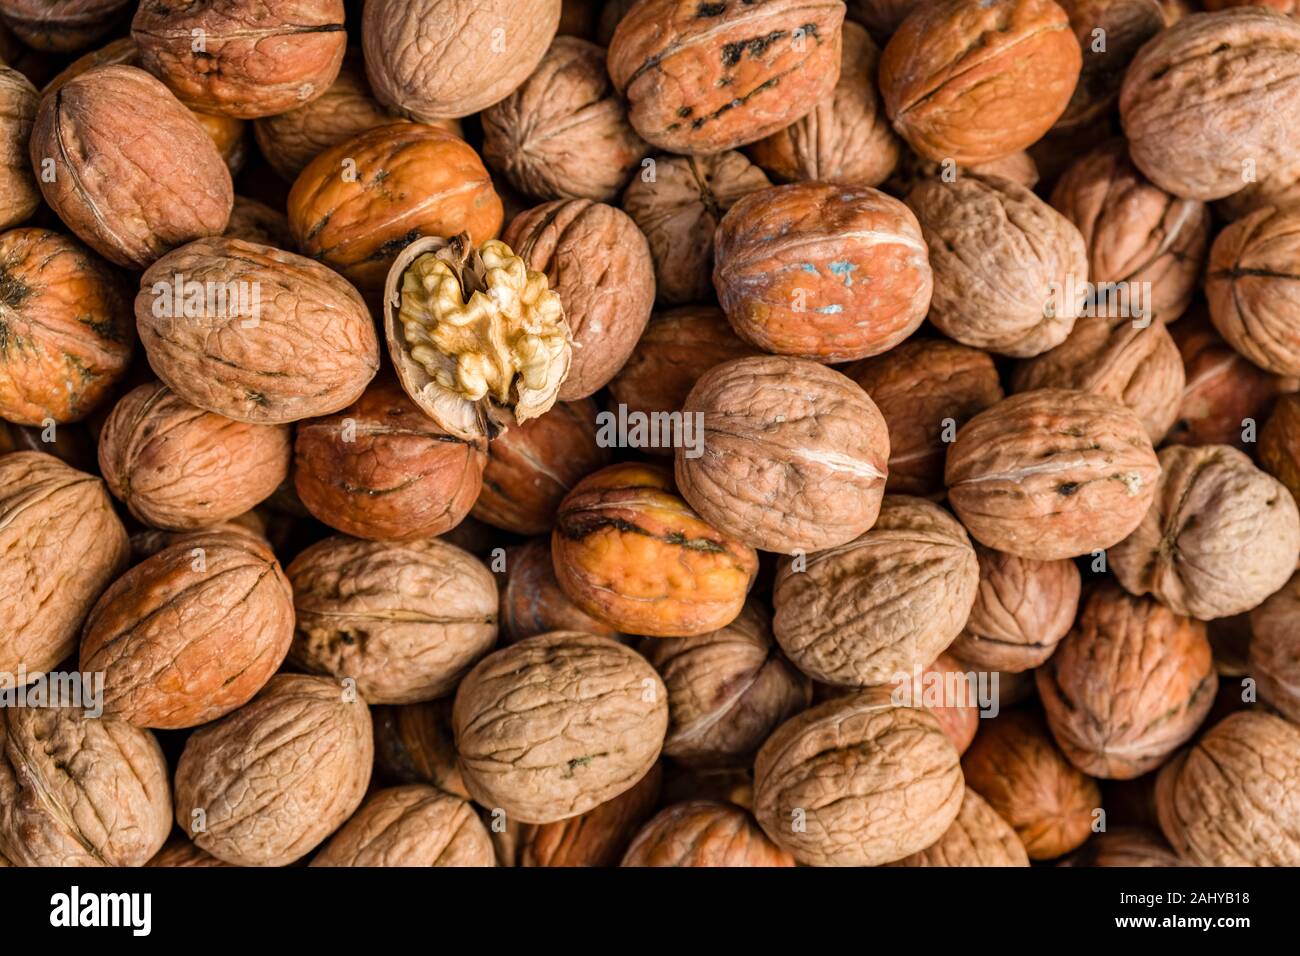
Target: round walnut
{"type": "Point", "coordinates": [857, 781]}
{"type": "Point", "coordinates": [271, 781]}
{"type": "Point", "coordinates": [557, 724]}
{"type": "Point", "coordinates": [677, 202]}
{"type": "Point", "coordinates": [360, 202]}
{"type": "Point", "coordinates": [792, 455]}
{"type": "Point", "coordinates": [76, 790]}
{"type": "Point", "coordinates": [926, 389]}
{"type": "Point", "coordinates": [60, 545]}
{"type": "Point", "coordinates": [131, 171]}
{"type": "Point", "coordinates": [66, 324]}
{"type": "Point", "coordinates": [564, 134]}
{"type": "Point", "coordinates": [599, 262]}
{"type": "Point", "coordinates": [1016, 767]}
{"type": "Point", "coordinates": [1275, 650]}
{"type": "Point", "coordinates": [1009, 270]}
{"type": "Point", "coordinates": [1213, 96]}
{"type": "Point", "coordinates": [1052, 474]}
{"type": "Point", "coordinates": [703, 77]}
{"type": "Point", "coordinates": [531, 599]}
{"type": "Point", "coordinates": [978, 837]}
{"type": "Point", "coordinates": [704, 833]}
{"type": "Point", "coordinates": [61, 26]}
{"type": "Point", "coordinates": [1109, 33]}
{"type": "Point", "coordinates": [597, 837]}
{"type": "Point", "coordinates": [19, 196]}
{"type": "Point", "coordinates": [972, 80]}
{"type": "Point", "coordinates": [798, 267]}
{"type": "Point", "coordinates": [1279, 443]}
{"type": "Point", "coordinates": [412, 826]}
{"type": "Point", "coordinates": [1232, 798]}
{"type": "Point", "coordinates": [253, 333]}
{"type": "Point", "coordinates": [1220, 537]}
{"type": "Point", "coordinates": [847, 137]}
{"type": "Point", "coordinates": [414, 744]}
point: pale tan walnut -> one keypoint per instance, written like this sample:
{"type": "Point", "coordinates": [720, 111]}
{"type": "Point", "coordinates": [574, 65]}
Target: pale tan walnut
{"type": "Point", "coordinates": [279, 775]}
{"type": "Point", "coordinates": [1138, 235]}
{"type": "Point", "coordinates": [1052, 474]}
{"type": "Point", "coordinates": [926, 389]}
{"type": "Point", "coordinates": [881, 605]}
{"type": "Point", "coordinates": [564, 134]}
{"type": "Point", "coordinates": [792, 457]}
{"type": "Point", "coordinates": [532, 602]}
{"type": "Point", "coordinates": [1275, 650]}
{"type": "Point", "coordinates": [978, 837]}
{"type": "Point", "coordinates": [61, 26]}
{"type": "Point", "coordinates": [1279, 443]}
{"type": "Point", "coordinates": [678, 203]}
{"type": "Point", "coordinates": [1017, 768]}
{"type": "Point", "coordinates": [132, 172]}
{"type": "Point", "coordinates": [1213, 97]}
{"type": "Point", "coordinates": [1009, 270]}
{"type": "Point", "coordinates": [1232, 799]}
{"type": "Point", "coordinates": [857, 781]}
{"type": "Point", "coordinates": [253, 221]}
{"type": "Point", "coordinates": [19, 196]}
{"type": "Point", "coordinates": [1022, 610]}
{"type": "Point", "coordinates": [598, 261]}
{"type": "Point", "coordinates": [61, 544]}
{"type": "Point", "coordinates": [557, 724]}
{"type": "Point", "coordinates": [411, 826]}
{"type": "Point", "coordinates": [704, 833]}
{"type": "Point", "coordinates": [727, 690]}
{"type": "Point", "coordinates": [404, 621]}
{"type": "Point", "coordinates": [1109, 33]}
{"type": "Point", "coordinates": [597, 837]}
{"type": "Point", "coordinates": [847, 137]}
{"type": "Point", "coordinates": [414, 744]}
{"type": "Point", "coordinates": [77, 790]}
{"type": "Point", "coordinates": [180, 852]}
{"type": "Point", "coordinates": [433, 59]}
{"type": "Point", "coordinates": [1129, 685]}
{"type": "Point", "coordinates": [1124, 846]}
{"type": "Point", "coordinates": [1220, 537]}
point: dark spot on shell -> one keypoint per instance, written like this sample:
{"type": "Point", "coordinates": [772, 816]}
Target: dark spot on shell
{"type": "Point", "coordinates": [756, 47]}
{"type": "Point", "coordinates": [1067, 489]}
{"type": "Point", "coordinates": [710, 10]}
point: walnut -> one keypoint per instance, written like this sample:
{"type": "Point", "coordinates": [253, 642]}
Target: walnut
{"type": "Point", "coordinates": [257, 222]}
{"type": "Point", "coordinates": [414, 744]}
{"type": "Point", "coordinates": [1220, 537]}
{"type": "Point", "coordinates": [1126, 25]}
{"type": "Point", "coordinates": [1279, 443]}
{"type": "Point", "coordinates": [231, 137]}
{"type": "Point", "coordinates": [1275, 652]}
{"type": "Point", "coordinates": [179, 851]}
{"type": "Point", "coordinates": [704, 833]}
{"type": "Point", "coordinates": [1124, 846]}
{"type": "Point", "coordinates": [1279, 187]}
{"type": "Point", "coordinates": [19, 196]}
{"type": "Point", "coordinates": [959, 716]}
{"type": "Point", "coordinates": [410, 826]}
{"type": "Point", "coordinates": [557, 724]}
{"type": "Point", "coordinates": [857, 781]}
{"type": "Point", "coordinates": [1019, 167]}
{"type": "Point", "coordinates": [61, 26]}
{"type": "Point", "coordinates": [1051, 474]}
{"type": "Point", "coordinates": [266, 784]}
{"type": "Point", "coordinates": [531, 599]}
{"type": "Point", "coordinates": [881, 17]}
{"type": "Point", "coordinates": [726, 784]}
{"type": "Point", "coordinates": [597, 837]}
{"type": "Point", "coordinates": [978, 837]}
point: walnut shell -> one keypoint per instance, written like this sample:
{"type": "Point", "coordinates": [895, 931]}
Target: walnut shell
{"type": "Point", "coordinates": [1220, 537]}
{"type": "Point", "coordinates": [1122, 27]}
{"type": "Point", "coordinates": [179, 851]}
{"type": "Point", "coordinates": [410, 826]}
{"type": "Point", "coordinates": [597, 837]}
{"type": "Point", "coordinates": [132, 172]}
{"type": "Point", "coordinates": [881, 17]}
{"type": "Point", "coordinates": [958, 712]}
{"type": "Point", "coordinates": [265, 785]}
{"type": "Point", "coordinates": [414, 744]}
{"type": "Point", "coordinates": [1279, 443]}
{"type": "Point", "coordinates": [1124, 846]}
{"type": "Point", "coordinates": [257, 222]}
{"type": "Point", "coordinates": [857, 781]}
{"type": "Point", "coordinates": [19, 195]}
{"type": "Point", "coordinates": [704, 833]}
{"type": "Point", "coordinates": [1051, 474]}
{"type": "Point", "coordinates": [1279, 187]}
{"type": "Point", "coordinates": [1275, 650]}
{"type": "Point", "coordinates": [557, 724]}
{"type": "Point", "coordinates": [61, 26]}
{"type": "Point", "coordinates": [531, 599]}
{"type": "Point", "coordinates": [978, 837]}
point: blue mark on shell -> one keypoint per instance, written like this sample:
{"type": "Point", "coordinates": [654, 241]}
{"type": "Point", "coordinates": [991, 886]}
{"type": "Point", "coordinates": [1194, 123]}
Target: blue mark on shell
{"type": "Point", "coordinates": [831, 309]}
{"type": "Point", "coordinates": [843, 270]}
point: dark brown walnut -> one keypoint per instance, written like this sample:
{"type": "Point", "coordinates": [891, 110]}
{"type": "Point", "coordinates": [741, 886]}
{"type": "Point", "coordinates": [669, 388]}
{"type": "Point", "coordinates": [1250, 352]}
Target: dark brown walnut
{"type": "Point", "coordinates": [847, 137]}
{"type": "Point", "coordinates": [1052, 474]}
{"type": "Point", "coordinates": [531, 599]}
{"type": "Point", "coordinates": [1124, 846]}
{"type": "Point", "coordinates": [531, 467]}
{"type": "Point", "coordinates": [857, 781]}
{"type": "Point", "coordinates": [178, 852]}
{"type": "Point", "coordinates": [178, 467]}
{"type": "Point", "coordinates": [411, 826]}
{"type": "Point", "coordinates": [557, 724]}
{"type": "Point", "coordinates": [926, 389]}
{"type": "Point", "coordinates": [267, 784]}
{"type": "Point", "coordinates": [1109, 33]}
{"type": "Point", "coordinates": [1129, 685]}
{"type": "Point", "coordinates": [404, 621]}
{"type": "Point", "coordinates": [791, 455]}
{"type": "Point", "coordinates": [597, 837]}
{"type": "Point", "coordinates": [414, 744]}
{"type": "Point", "coordinates": [978, 837]}
{"type": "Point", "coordinates": [1274, 659]}
{"type": "Point", "coordinates": [61, 26]}
{"type": "Point", "coordinates": [77, 790]}
{"type": "Point", "coordinates": [728, 784]}
{"type": "Point", "coordinates": [253, 221]}
{"type": "Point", "coordinates": [381, 469]}
{"type": "Point", "coordinates": [599, 262]}
{"type": "Point", "coordinates": [1213, 97]}
{"type": "Point", "coordinates": [704, 833]}
{"type": "Point", "coordinates": [1231, 799]}
{"type": "Point", "coordinates": [1140, 238]}
{"type": "Point", "coordinates": [131, 171]}
{"type": "Point", "coordinates": [1220, 537]}
{"type": "Point", "coordinates": [192, 632]}
{"type": "Point", "coordinates": [1016, 767]}
{"type": "Point", "coordinates": [1022, 610]}
{"type": "Point", "coordinates": [881, 17]}
{"type": "Point", "coordinates": [60, 545]}
{"type": "Point", "coordinates": [254, 333]}
{"type": "Point", "coordinates": [1279, 443]}
{"type": "Point", "coordinates": [579, 18]}
{"type": "Point", "coordinates": [67, 338]}
{"type": "Point", "coordinates": [1008, 268]}
{"type": "Point", "coordinates": [882, 605]}
{"type": "Point", "coordinates": [564, 134]}
{"type": "Point", "coordinates": [700, 78]}
{"type": "Point", "coordinates": [727, 690]}
{"type": "Point", "coordinates": [678, 202]}
{"type": "Point", "coordinates": [19, 196]}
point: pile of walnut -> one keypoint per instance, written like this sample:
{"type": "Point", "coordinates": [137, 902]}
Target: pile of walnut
{"type": "Point", "coordinates": [649, 432]}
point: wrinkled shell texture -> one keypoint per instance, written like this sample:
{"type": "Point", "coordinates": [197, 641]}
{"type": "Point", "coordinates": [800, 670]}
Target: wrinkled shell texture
{"type": "Point", "coordinates": [19, 196]}
{"type": "Point", "coordinates": [411, 826]}
{"type": "Point", "coordinates": [1126, 26]}
{"type": "Point", "coordinates": [1124, 846]}
{"type": "Point", "coordinates": [60, 25]}
{"type": "Point", "coordinates": [1279, 443]}
{"type": "Point", "coordinates": [704, 833]}
{"type": "Point", "coordinates": [1275, 650]}
{"type": "Point", "coordinates": [597, 837]}
{"type": "Point", "coordinates": [978, 837]}
{"type": "Point", "coordinates": [532, 602]}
